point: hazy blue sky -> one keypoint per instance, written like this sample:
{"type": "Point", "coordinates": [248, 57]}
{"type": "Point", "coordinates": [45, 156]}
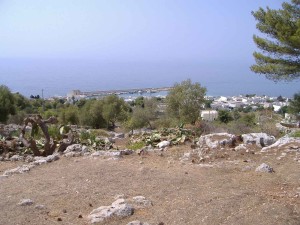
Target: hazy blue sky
{"type": "Point", "coordinates": [211, 34]}
{"type": "Point", "coordinates": [133, 30]}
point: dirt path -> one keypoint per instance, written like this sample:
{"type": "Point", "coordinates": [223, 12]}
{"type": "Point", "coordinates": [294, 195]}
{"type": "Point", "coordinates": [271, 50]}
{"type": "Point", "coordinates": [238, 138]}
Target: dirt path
{"type": "Point", "coordinates": [224, 192]}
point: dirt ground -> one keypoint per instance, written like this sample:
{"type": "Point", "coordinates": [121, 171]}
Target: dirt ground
{"type": "Point", "coordinates": [225, 191]}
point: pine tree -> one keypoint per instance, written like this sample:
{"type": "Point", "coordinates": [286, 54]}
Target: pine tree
{"type": "Point", "coordinates": [280, 56]}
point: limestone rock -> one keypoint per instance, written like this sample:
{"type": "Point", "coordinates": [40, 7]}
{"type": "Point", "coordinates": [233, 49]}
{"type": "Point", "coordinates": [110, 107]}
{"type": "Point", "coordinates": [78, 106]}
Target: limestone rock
{"type": "Point", "coordinates": [40, 161]}
{"type": "Point", "coordinates": [264, 168]}
{"type": "Point", "coordinates": [118, 208]}
{"type": "Point", "coordinates": [119, 135]}
{"type": "Point", "coordinates": [137, 222]}
{"type": "Point", "coordinates": [72, 154]}
{"type": "Point", "coordinates": [240, 147]}
{"type": "Point", "coordinates": [25, 202]}
{"type": "Point", "coordinates": [29, 159]}
{"type": "Point", "coordinates": [19, 169]}
{"type": "Point", "coordinates": [106, 154]}
{"type": "Point", "coordinates": [260, 139]}
{"type": "Point", "coordinates": [141, 202]}
{"type": "Point", "coordinates": [53, 157]}
{"type": "Point", "coordinates": [16, 158]}
{"type": "Point", "coordinates": [282, 142]}
{"type": "Point", "coordinates": [74, 148]}
{"type": "Point", "coordinates": [163, 144]}
{"type": "Point", "coordinates": [216, 140]}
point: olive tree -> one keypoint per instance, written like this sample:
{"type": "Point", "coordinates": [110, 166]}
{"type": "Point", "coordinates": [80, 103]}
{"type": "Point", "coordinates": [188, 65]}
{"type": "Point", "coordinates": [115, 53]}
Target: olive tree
{"type": "Point", "coordinates": [185, 100]}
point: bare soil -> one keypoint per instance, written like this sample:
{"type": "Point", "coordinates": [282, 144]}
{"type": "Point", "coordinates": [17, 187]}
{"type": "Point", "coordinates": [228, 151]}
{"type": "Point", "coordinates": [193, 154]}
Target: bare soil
{"type": "Point", "coordinates": [224, 190]}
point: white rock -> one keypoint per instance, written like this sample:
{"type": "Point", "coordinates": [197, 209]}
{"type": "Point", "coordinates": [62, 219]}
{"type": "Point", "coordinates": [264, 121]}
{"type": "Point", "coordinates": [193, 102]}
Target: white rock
{"type": "Point", "coordinates": [141, 202]}
{"type": "Point", "coordinates": [29, 159]}
{"type": "Point", "coordinates": [25, 202]}
{"type": "Point", "coordinates": [119, 135]}
{"type": "Point", "coordinates": [19, 169]}
{"type": "Point", "coordinates": [186, 157]}
{"type": "Point", "coordinates": [36, 158]}
{"type": "Point", "coordinates": [264, 168]}
{"type": "Point", "coordinates": [260, 139]}
{"type": "Point", "coordinates": [215, 140]}
{"type": "Point", "coordinates": [106, 154]}
{"type": "Point", "coordinates": [282, 142]}
{"type": "Point", "coordinates": [74, 148]}
{"type": "Point", "coordinates": [53, 157]}
{"type": "Point", "coordinates": [72, 154]}
{"type": "Point", "coordinates": [16, 158]}
{"type": "Point", "coordinates": [240, 147]}
{"type": "Point", "coordinates": [118, 208]}
{"type": "Point", "coordinates": [85, 149]}
{"type": "Point", "coordinates": [163, 144]}
{"type": "Point", "coordinates": [137, 222]}
{"type": "Point", "coordinates": [40, 161]}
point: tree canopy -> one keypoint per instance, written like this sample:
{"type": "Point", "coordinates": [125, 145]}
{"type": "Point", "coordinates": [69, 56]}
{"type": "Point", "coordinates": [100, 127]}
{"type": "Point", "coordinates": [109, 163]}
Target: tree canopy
{"type": "Point", "coordinates": [7, 103]}
{"type": "Point", "coordinates": [185, 100]}
{"type": "Point", "coordinates": [294, 106]}
{"type": "Point", "coordinates": [279, 58]}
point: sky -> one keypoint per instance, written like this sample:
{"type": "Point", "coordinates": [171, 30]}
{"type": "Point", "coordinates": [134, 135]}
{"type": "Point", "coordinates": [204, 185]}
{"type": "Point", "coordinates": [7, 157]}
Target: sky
{"type": "Point", "coordinates": [213, 37]}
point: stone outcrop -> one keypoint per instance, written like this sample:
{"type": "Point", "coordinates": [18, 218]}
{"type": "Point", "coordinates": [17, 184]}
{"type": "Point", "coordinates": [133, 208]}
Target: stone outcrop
{"type": "Point", "coordinates": [283, 143]}
{"type": "Point", "coordinates": [118, 208]}
{"type": "Point", "coordinates": [163, 144]}
{"type": "Point", "coordinates": [265, 168]}
{"type": "Point", "coordinates": [140, 202]}
{"type": "Point", "coordinates": [216, 140]}
{"type": "Point", "coordinates": [19, 169]}
{"type": "Point", "coordinates": [25, 202]}
{"type": "Point", "coordinates": [260, 139]}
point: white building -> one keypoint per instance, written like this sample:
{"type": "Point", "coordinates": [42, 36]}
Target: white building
{"type": "Point", "coordinates": [209, 115]}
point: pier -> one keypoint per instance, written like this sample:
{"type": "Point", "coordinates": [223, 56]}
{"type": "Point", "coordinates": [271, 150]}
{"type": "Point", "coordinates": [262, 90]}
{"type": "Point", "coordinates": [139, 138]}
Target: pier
{"type": "Point", "coordinates": [89, 94]}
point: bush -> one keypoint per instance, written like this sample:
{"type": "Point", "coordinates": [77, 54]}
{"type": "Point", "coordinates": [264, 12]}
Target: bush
{"type": "Point", "coordinates": [295, 134]}
{"type": "Point", "coordinates": [224, 116]}
{"type": "Point", "coordinates": [136, 146]}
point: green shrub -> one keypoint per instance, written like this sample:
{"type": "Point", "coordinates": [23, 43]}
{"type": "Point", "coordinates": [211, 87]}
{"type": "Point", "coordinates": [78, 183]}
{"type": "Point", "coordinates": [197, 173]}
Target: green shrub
{"type": "Point", "coordinates": [295, 134]}
{"type": "Point", "coordinates": [136, 146]}
{"type": "Point", "coordinates": [53, 131]}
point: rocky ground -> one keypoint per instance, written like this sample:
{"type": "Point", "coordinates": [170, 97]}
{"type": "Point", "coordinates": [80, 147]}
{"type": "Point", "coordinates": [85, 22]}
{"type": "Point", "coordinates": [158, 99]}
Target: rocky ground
{"type": "Point", "coordinates": [210, 184]}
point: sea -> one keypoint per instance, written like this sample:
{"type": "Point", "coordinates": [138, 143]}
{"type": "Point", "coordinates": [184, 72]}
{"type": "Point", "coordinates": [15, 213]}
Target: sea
{"type": "Point", "coordinates": [53, 77]}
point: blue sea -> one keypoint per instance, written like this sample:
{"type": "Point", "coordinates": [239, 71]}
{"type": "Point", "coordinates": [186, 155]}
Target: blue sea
{"type": "Point", "coordinates": [58, 77]}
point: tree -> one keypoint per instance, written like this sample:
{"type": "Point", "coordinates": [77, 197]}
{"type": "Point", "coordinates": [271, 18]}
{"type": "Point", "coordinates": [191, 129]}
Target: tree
{"type": "Point", "coordinates": [143, 115]}
{"type": "Point", "coordinates": [224, 116]}
{"type": "Point", "coordinates": [7, 103]}
{"type": "Point", "coordinates": [294, 106]}
{"type": "Point", "coordinates": [279, 59]}
{"type": "Point", "coordinates": [71, 115]}
{"type": "Point", "coordinates": [185, 100]}
{"type": "Point", "coordinates": [91, 114]}
{"type": "Point", "coordinates": [112, 109]}
{"type": "Point", "coordinates": [136, 120]}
